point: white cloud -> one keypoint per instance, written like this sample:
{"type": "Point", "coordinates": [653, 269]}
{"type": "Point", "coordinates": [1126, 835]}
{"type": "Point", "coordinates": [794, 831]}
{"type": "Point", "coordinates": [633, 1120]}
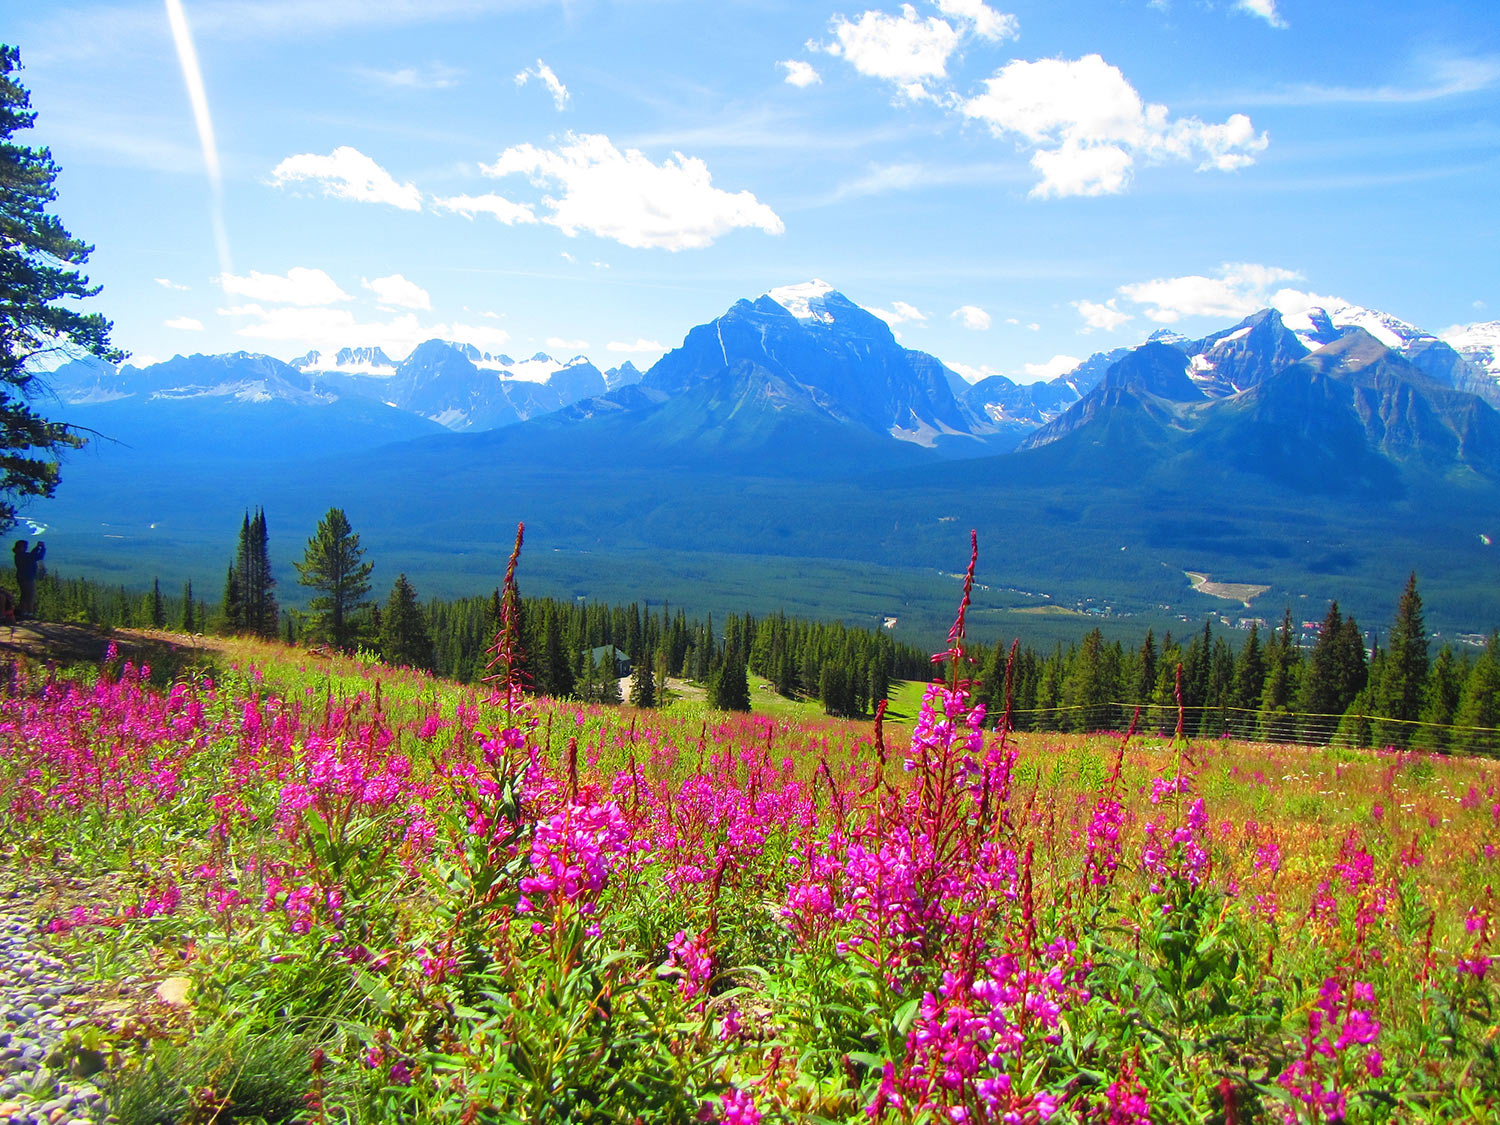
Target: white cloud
{"type": "Point", "coordinates": [396, 290]}
{"type": "Point", "coordinates": [1265, 9]}
{"type": "Point", "coordinates": [625, 197]}
{"type": "Point", "coordinates": [1104, 317]}
{"type": "Point", "coordinates": [347, 173]}
{"type": "Point", "coordinates": [799, 73]}
{"type": "Point", "coordinates": [433, 76]}
{"type": "Point", "coordinates": [640, 346]}
{"type": "Point", "coordinates": [141, 360]}
{"type": "Point", "coordinates": [1051, 369]}
{"type": "Point", "coordinates": [988, 23]}
{"type": "Point", "coordinates": [300, 286]}
{"type": "Point", "coordinates": [906, 50]}
{"type": "Point", "coordinates": [166, 283]}
{"type": "Point", "coordinates": [485, 337]}
{"type": "Point", "coordinates": [1088, 126]}
{"type": "Point", "coordinates": [184, 324]}
{"type": "Point", "coordinates": [972, 316]}
{"type": "Point", "coordinates": [543, 73]}
{"type": "Point", "coordinates": [557, 343]}
{"type": "Point", "coordinates": [1032, 327]}
{"type": "Point", "coordinates": [1239, 290]}
{"type": "Point", "coordinates": [491, 204]}
{"type": "Point", "coordinates": [899, 313]}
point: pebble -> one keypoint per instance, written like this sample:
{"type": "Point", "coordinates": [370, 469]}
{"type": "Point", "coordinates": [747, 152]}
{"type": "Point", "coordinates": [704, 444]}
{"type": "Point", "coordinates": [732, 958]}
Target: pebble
{"type": "Point", "coordinates": [34, 986]}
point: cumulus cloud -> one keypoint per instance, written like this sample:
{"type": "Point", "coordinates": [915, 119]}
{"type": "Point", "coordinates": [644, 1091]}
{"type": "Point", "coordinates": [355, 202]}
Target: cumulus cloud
{"type": "Point", "coordinates": [1088, 126]}
{"type": "Point", "coordinates": [1265, 9]}
{"type": "Point", "coordinates": [907, 50]}
{"type": "Point", "coordinates": [347, 173]}
{"type": "Point", "coordinates": [799, 73]}
{"type": "Point", "coordinates": [625, 197]}
{"type": "Point", "coordinates": [167, 283]}
{"type": "Point", "coordinates": [1105, 317]}
{"type": "Point", "coordinates": [543, 73]}
{"type": "Point", "coordinates": [396, 290]}
{"type": "Point", "coordinates": [1050, 369]}
{"type": "Point", "coordinates": [899, 313]}
{"type": "Point", "coordinates": [972, 316]}
{"type": "Point", "coordinates": [497, 206]}
{"type": "Point", "coordinates": [1239, 289]}
{"type": "Point", "coordinates": [299, 286]}
{"type": "Point", "coordinates": [184, 324]}
{"type": "Point", "coordinates": [639, 347]}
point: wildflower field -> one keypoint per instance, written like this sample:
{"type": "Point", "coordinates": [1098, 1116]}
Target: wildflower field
{"type": "Point", "coordinates": [330, 891]}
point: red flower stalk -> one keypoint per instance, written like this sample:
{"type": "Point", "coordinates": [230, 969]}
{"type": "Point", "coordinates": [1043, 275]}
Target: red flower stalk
{"type": "Point", "coordinates": [507, 662]}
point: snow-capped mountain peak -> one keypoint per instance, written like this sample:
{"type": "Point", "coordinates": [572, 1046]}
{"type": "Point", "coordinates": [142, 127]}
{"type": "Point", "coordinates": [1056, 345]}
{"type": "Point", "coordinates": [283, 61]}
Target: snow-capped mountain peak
{"type": "Point", "coordinates": [804, 301]}
{"type": "Point", "coordinates": [1479, 344]}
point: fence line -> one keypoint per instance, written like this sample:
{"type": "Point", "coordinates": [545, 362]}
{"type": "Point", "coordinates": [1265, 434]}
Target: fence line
{"type": "Point", "coordinates": [1363, 731]}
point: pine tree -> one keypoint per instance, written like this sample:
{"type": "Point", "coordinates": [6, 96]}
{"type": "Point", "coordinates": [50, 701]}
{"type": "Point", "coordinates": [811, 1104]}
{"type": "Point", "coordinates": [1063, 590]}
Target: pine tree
{"type": "Point", "coordinates": [332, 565]}
{"type": "Point", "coordinates": [1398, 693]}
{"type": "Point", "coordinates": [249, 604]}
{"type": "Point", "coordinates": [404, 639]}
{"type": "Point", "coordinates": [1335, 675]}
{"type": "Point", "coordinates": [37, 274]}
{"type": "Point", "coordinates": [231, 611]}
{"type": "Point", "coordinates": [189, 618]}
{"type": "Point", "coordinates": [1440, 697]}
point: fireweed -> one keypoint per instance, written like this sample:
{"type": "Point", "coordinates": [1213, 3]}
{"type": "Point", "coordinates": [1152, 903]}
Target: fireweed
{"type": "Point", "coordinates": [494, 906]}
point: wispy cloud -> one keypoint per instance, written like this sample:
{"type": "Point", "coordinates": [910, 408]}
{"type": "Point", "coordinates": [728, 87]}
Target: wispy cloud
{"type": "Point", "coordinates": [543, 73]}
{"type": "Point", "coordinates": [347, 173]}
{"type": "Point", "coordinates": [640, 347]}
{"type": "Point", "coordinates": [1105, 317]}
{"type": "Point", "coordinates": [1264, 9]}
{"type": "Point", "coordinates": [432, 76]}
{"type": "Point", "coordinates": [900, 312]}
{"type": "Point", "coordinates": [1444, 77]}
{"type": "Point", "coordinates": [192, 77]}
{"type": "Point", "coordinates": [168, 283]}
{"type": "Point", "coordinates": [184, 324]}
{"type": "Point", "coordinates": [1237, 290]}
{"type": "Point", "coordinates": [496, 206]}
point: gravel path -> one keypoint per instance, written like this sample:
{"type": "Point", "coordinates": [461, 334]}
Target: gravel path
{"type": "Point", "coordinates": [38, 1001]}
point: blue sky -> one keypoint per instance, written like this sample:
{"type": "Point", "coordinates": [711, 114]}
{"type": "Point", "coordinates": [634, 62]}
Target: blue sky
{"type": "Point", "coordinates": [1007, 183]}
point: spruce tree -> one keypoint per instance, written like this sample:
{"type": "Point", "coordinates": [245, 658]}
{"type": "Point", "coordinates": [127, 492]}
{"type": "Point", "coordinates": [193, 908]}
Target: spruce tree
{"type": "Point", "coordinates": [332, 565]}
{"type": "Point", "coordinates": [158, 607]}
{"type": "Point", "coordinates": [189, 617]}
{"type": "Point", "coordinates": [730, 690]}
{"type": "Point", "coordinates": [1479, 702]}
{"type": "Point", "coordinates": [1440, 697]}
{"type": "Point", "coordinates": [404, 639]}
{"type": "Point", "coordinates": [643, 682]}
{"type": "Point", "coordinates": [1398, 693]}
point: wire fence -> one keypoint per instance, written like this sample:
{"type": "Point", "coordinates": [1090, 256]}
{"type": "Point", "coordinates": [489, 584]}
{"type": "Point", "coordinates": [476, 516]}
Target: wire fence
{"type": "Point", "coordinates": [1353, 730]}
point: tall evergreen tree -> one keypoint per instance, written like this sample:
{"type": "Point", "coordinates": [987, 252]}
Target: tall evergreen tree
{"type": "Point", "coordinates": [189, 616]}
{"type": "Point", "coordinates": [332, 565]}
{"type": "Point", "coordinates": [1440, 697]}
{"type": "Point", "coordinates": [38, 274]}
{"type": "Point", "coordinates": [1336, 674]}
{"type": "Point", "coordinates": [643, 682]}
{"type": "Point", "coordinates": [249, 604]}
{"type": "Point", "coordinates": [1403, 677]}
{"type": "Point", "coordinates": [1479, 702]}
{"type": "Point", "coordinates": [158, 608]}
{"type": "Point", "coordinates": [404, 639]}
{"type": "Point", "coordinates": [730, 690]}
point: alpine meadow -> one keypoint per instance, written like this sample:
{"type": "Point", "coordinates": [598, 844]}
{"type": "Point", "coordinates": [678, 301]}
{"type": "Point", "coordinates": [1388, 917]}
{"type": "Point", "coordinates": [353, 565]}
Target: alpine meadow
{"type": "Point", "coordinates": [496, 637]}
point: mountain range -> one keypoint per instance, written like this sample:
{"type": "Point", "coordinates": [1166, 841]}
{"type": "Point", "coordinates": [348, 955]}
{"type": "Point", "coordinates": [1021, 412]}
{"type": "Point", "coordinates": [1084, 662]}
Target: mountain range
{"type": "Point", "coordinates": [1309, 453]}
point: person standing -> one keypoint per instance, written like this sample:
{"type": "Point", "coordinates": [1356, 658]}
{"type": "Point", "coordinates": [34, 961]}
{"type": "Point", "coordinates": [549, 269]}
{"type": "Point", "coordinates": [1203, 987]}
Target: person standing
{"type": "Point", "coordinates": [26, 565]}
